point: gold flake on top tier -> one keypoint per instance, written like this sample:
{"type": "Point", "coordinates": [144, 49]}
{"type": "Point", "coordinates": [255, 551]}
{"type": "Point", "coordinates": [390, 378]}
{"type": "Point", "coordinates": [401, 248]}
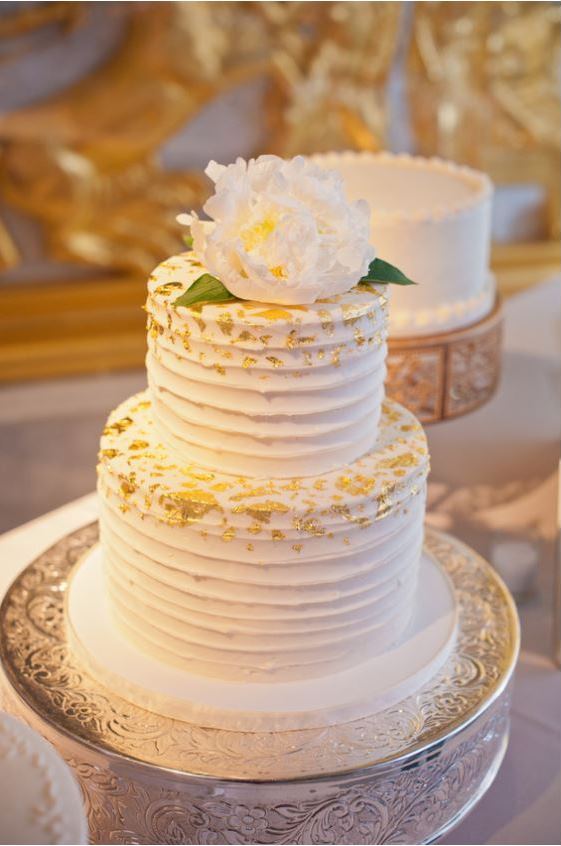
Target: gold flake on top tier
{"type": "Point", "coordinates": [294, 340]}
{"type": "Point", "coordinates": [168, 288]}
{"type": "Point", "coordinates": [225, 322]}
{"type": "Point", "coordinates": [326, 321]}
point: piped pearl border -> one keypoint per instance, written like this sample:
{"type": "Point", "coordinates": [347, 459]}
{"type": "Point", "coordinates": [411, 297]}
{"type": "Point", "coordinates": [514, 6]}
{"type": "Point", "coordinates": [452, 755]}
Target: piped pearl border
{"type": "Point", "coordinates": [480, 182]}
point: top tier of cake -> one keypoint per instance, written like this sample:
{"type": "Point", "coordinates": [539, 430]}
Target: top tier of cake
{"type": "Point", "coordinates": [433, 219]}
{"type": "Point", "coordinates": [244, 387]}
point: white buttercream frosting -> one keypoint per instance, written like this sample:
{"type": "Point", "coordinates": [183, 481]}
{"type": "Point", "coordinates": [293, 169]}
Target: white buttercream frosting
{"type": "Point", "coordinates": [261, 506]}
{"type": "Point", "coordinates": [265, 390]}
{"type": "Point", "coordinates": [264, 579]}
{"type": "Point", "coordinates": [432, 219]}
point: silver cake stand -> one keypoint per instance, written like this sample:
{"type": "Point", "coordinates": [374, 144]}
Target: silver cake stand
{"type": "Point", "coordinates": [406, 775]}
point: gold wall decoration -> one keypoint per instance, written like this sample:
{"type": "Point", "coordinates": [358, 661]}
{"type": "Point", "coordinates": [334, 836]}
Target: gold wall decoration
{"type": "Point", "coordinates": [328, 92]}
{"type": "Point", "coordinates": [484, 89]}
{"type": "Point", "coordinates": [82, 167]}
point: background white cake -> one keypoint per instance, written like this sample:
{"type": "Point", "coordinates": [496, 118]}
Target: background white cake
{"type": "Point", "coordinates": [432, 218]}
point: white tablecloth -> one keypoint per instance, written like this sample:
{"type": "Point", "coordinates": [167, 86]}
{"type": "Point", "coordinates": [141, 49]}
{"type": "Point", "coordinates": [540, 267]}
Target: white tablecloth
{"type": "Point", "coordinates": [494, 476]}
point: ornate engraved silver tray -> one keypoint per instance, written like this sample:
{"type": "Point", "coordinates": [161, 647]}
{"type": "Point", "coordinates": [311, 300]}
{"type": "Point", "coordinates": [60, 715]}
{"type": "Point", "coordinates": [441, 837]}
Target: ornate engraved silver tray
{"type": "Point", "coordinates": [405, 775]}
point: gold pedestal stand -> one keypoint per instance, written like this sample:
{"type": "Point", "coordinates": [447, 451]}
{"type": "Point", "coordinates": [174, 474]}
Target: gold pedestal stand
{"type": "Point", "coordinates": [441, 376]}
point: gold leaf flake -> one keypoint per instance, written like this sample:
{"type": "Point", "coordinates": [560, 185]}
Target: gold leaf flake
{"type": "Point", "coordinates": [326, 321]}
{"type": "Point", "coordinates": [128, 485]}
{"type": "Point", "coordinates": [360, 340]}
{"type": "Point", "coordinates": [261, 511]}
{"type": "Point", "coordinates": [335, 356]}
{"type": "Point", "coordinates": [187, 506]}
{"type": "Point", "coordinates": [294, 340]}
{"type": "Point", "coordinates": [141, 406]}
{"type": "Point", "coordinates": [351, 313]}
{"type": "Point", "coordinates": [405, 460]}
{"type": "Point", "coordinates": [225, 322]}
{"type": "Point", "coordinates": [276, 362]}
{"type": "Point", "coordinates": [292, 485]}
{"type": "Point", "coordinates": [118, 427]}
{"type": "Point", "coordinates": [357, 485]}
{"type": "Point", "coordinates": [221, 486]}
{"type": "Point", "coordinates": [309, 526]}
{"type": "Point", "coordinates": [168, 287]}
{"type": "Point", "coordinates": [199, 475]}
{"type": "Point", "coordinates": [275, 314]}
{"type": "Point", "coordinates": [246, 336]}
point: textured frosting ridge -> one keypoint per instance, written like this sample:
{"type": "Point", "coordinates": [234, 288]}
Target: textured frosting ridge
{"type": "Point", "coordinates": [265, 390]}
{"type": "Point", "coordinates": [270, 580]}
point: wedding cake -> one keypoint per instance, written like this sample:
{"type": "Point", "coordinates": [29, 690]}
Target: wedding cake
{"type": "Point", "coordinates": [262, 505]}
{"type": "Point", "coordinates": [433, 217]}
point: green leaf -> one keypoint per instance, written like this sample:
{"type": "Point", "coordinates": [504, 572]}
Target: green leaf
{"type": "Point", "coordinates": [205, 289]}
{"type": "Point", "coordinates": [188, 241]}
{"type": "Point", "coordinates": [381, 273]}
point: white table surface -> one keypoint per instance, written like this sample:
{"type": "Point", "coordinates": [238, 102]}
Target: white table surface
{"type": "Point", "coordinates": [494, 476]}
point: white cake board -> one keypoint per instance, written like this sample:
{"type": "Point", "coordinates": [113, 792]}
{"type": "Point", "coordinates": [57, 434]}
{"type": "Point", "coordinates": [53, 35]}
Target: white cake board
{"type": "Point", "coordinates": [358, 692]}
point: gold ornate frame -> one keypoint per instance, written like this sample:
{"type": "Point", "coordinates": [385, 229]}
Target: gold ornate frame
{"type": "Point", "coordinates": [103, 200]}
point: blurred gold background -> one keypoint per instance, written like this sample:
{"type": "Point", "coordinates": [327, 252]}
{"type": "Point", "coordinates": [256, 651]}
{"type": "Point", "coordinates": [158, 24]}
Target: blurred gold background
{"type": "Point", "coordinates": [106, 126]}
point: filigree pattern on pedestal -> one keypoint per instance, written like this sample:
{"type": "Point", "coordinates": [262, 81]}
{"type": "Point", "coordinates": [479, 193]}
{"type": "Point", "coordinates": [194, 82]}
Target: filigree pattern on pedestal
{"type": "Point", "coordinates": [47, 675]}
{"type": "Point", "coordinates": [449, 374]}
{"type": "Point", "coordinates": [473, 372]}
{"type": "Point", "coordinates": [416, 380]}
{"type": "Point", "coordinates": [402, 776]}
{"type": "Point", "coordinates": [395, 807]}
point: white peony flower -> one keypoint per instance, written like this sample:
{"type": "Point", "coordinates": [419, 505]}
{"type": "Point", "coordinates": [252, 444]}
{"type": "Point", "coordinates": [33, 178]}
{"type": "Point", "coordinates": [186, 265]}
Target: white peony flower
{"type": "Point", "coordinates": [282, 232]}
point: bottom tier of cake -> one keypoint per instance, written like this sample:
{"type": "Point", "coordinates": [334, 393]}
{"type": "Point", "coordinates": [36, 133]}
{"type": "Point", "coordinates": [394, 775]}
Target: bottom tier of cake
{"type": "Point", "coordinates": [250, 579]}
{"type": "Point", "coordinates": [405, 775]}
{"type": "Point", "coordinates": [377, 683]}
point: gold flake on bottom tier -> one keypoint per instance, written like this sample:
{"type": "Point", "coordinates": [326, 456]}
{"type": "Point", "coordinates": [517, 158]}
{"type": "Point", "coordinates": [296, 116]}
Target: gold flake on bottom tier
{"type": "Point", "coordinates": [266, 579]}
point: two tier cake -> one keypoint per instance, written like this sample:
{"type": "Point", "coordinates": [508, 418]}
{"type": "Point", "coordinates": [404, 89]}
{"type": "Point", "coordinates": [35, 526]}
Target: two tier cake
{"type": "Point", "coordinates": [262, 505]}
